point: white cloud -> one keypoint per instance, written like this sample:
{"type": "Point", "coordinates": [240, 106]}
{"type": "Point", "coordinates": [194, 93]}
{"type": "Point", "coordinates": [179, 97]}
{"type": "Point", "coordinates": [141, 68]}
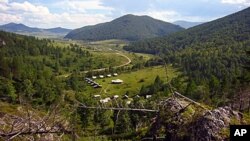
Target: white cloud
{"type": "Point", "coordinates": [9, 17]}
{"type": "Point", "coordinates": [3, 7]}
{"type": "Point", "coordinates": [40, 16]}
{"type": "Point", "coordinates": [163, 15]}
{"type": "Point", "coordinates": [28, 7]}
{"type": "Point", "coordinates": [237, 2]}
{"type": "Point", "coordinates": [3, 1]}
{"type": "Point", "coordinates": [82, 6]}
{"type": "Point", "coordinates": [171, 16]}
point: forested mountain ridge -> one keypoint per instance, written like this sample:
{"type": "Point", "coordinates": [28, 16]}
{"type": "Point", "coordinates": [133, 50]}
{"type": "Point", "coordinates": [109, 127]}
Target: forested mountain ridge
{"type": "Point", "coordinates": [211, 54]}
{"type": "Point", "coordinates": [21, 28]}
{"type": "Point", "coordinates": [128, 27]}
{"type": "Point", "coordinates": [13, 27]}
{"type": "Point", "coordinates": [235, 27]}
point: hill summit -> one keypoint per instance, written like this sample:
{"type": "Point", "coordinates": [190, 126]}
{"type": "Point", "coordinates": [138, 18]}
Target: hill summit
{"type": "Point", "coordinates": [128, 27]}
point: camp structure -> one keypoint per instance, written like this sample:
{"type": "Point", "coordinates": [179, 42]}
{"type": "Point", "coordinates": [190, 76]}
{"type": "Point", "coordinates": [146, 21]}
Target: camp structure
{"type": "Point", "coordinates": [117, 81]}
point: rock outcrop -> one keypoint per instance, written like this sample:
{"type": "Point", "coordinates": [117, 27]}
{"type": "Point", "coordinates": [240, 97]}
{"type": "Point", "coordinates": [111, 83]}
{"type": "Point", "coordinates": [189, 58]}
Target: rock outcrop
{"type": "Point", "coordinates": [210, 125]}
{"type": "Point", "coordinates": [184, 121]}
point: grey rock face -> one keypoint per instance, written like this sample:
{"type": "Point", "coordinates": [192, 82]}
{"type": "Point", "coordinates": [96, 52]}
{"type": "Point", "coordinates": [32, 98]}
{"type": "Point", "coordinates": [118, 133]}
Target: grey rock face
{"type": "Point", "coordinates": [209, 126]}
{"type": "Point", "coordinates": [204, 125]}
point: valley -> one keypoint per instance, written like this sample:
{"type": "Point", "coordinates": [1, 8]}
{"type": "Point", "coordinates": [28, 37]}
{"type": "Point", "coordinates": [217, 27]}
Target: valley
{"type": "Point", "coordinates": [132, 78]}
{"type": "Point", "coordinates": [55, 72]}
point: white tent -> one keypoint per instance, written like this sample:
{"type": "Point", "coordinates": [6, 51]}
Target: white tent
{"type": "Point", "coordinates": [117, 81]}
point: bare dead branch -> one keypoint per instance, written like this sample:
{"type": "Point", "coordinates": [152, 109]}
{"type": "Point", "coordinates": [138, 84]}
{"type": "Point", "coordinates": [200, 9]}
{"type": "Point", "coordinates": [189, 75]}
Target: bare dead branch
{"type": "Point", "coordinates": [26, 126]}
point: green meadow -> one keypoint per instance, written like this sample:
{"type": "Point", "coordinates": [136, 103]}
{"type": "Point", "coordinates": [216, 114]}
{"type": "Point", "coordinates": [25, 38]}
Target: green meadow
{"type": "Point", "coordinates": [133, 81]}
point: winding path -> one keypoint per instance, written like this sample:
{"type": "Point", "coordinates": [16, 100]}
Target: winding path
{"type": "Point", "coordinates": [125, 64]}
{"type": "Point", "coordinates": [102, 69]}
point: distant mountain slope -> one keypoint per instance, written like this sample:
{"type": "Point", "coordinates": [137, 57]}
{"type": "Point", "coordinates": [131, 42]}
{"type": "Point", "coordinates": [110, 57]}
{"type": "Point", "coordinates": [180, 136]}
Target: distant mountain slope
{"type": "Point", "coordinates": [58, 30]}
{"type": "Point", "coordinates": [128, 27]}
{"type": "Point", "coordinates": [212, 55]}
{"type": "Point", "coordinates": [23, 29]}
{"type": "Point", "coordinates": [13, 27]}
{"type": "Point", "coordinates": [223, 31]}
{"type": "Point", "coordinates": [186, 24]}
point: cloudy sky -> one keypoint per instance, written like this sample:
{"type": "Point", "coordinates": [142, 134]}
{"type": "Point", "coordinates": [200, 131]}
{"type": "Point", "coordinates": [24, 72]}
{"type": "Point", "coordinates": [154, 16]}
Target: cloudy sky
{"type": "Point", "coordinates": [78, 13]}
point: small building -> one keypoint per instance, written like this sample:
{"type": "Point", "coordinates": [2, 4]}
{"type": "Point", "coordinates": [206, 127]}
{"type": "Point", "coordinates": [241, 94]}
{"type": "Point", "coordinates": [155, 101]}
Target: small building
{"type": "Point", "coordinates": [117, 81]}
{"type": "Point", "coordinates": [101, 76]}
{"type": "Point", "coordinates": [137, 96]}
{"type": "Point", "coordinates": [128, 102]}
{"type": "Point", "coordinates": [97, 86]}
{"type": "Point", "coordinates": [88, 80]}
{"type": "Point", "coordinates": [125, 97]}
{"type": "Point", "coordinates": [109, 75]}
{"type": "Point", "coordinates": [106, 100]}
{"type": "Point", "coordinates": [115, 74]}
{"type": "Point", "coordinates": [94, 77]}
{"type": "Point", "coordinates": [115, 96]}
{"type": "Point", "coordinates": [96, 96]}
{"type": "Point", "coordinates": [148, 96]}
{"type": "Point", "coordinates": [103, 101]}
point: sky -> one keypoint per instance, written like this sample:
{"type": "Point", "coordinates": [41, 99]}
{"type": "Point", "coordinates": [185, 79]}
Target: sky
{"type": "Point", "coordinates": [78, 13]}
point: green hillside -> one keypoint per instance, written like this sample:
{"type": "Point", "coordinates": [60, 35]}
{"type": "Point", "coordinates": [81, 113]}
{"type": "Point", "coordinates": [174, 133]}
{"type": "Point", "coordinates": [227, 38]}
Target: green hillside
{"type": "Point", "coordinates": [28, 60]}
{"type": "Point", "coordinates": [211, 54]}
{"type": "Point", "coordinates": [128, 27]}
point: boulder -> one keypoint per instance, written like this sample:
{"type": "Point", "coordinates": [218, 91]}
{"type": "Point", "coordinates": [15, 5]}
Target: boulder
{"type": "Point", "coordinates": [208, 127]}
